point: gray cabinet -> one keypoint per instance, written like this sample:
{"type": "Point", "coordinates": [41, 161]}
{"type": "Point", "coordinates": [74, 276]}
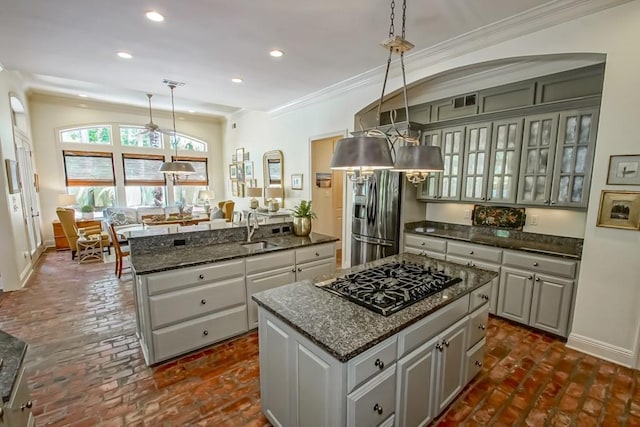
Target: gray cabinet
{"type": "Point", "coordinates": [263, 281]}
{"type": "Point", "coordinates": [514, 299]}
{"type": "Point", "coordinates": [424, 245]}
{"type": "Point", "coordinates": [502, 180]}
{"type": "Point", "coordinates": [476, 162]}
{"type": "Point", "coordinates": [452, 155]}
{"type": "Point", "coordinates": [451, 364]}
{"type": "Point", "coordinates": [551, 304]}
{"type": "Point", "coordinates": [430, 188]}
{"type": "Point", "coordinates": [276, 391]}
{"type": "Point", "coordinates": [18, 411]}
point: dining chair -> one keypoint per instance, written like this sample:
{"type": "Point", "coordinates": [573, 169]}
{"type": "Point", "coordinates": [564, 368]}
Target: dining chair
{"type": "Point", "coordinates": [120, 253]}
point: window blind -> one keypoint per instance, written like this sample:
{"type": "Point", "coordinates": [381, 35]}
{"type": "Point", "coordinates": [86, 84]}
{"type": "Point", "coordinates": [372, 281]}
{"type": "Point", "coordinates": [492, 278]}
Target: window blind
{"type": "Point", "coordinates": [201, 177]}
{"type": "Point", "coordinates": [88, 169]}
{"type": "Point", "coordinates": [143, 169]}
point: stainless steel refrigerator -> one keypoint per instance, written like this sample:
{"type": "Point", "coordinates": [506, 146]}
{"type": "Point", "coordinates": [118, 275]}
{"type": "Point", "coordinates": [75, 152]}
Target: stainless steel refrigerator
{"type": "Point", "coordinates": [375, 225]}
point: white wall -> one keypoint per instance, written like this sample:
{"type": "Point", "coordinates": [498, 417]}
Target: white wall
{"type": "Point", "coordinates": [606, 320]}
{"type": "Point", "coordinates": [49, 113]}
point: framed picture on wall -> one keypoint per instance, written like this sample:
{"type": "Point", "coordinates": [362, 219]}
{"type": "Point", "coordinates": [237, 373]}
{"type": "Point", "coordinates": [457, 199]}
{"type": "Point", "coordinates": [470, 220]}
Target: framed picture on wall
{"type": "Point", "coordinates": [624, 170]}
{"type": "Point", "coordinates": [12, 176]}
{"type": "Point", "coordinates": [248, 170]}
{"type": "Point", "coordinates": [233, 171]}
{"type": "Point", "coordinates": [234, 187]}
{"type": "Point", "coordinates": [619, 209]}
{"type": "Point", "coordinates": [296, 181]}
{"type": "Point", "coordinates": [239, 155]}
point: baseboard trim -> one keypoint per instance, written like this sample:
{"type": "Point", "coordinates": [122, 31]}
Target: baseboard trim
{"type": "Point", "coordinates": [612, 353]}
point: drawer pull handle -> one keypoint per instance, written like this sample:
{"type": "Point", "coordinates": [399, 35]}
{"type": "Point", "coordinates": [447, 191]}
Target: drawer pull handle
{"type": "Point", "coordinates": [378, 409]}
{"type": "Point", "coordinates": [470, 252]}
{"type": "Point", "coordinates": [439, 347]}
{"type": "Point", "coordinates": [484, 297]}
{"type": "Point", "coordinates": [201, 276]}
{"type": "Point", "coordinates": [481, 326]}
{"type": "Point", "coordinates": [445, 342]}
{"type": "Point", "coordinates": [478, 364]}
{"type": "Point", "coordinates": [27, 405]}
{"type": "Point", "coordinates": [535, 264]}
{"type": "Point", "coordinates": [379, 363]}
{"type": "Point", "coordinates": [203, 301]}
{"type": "Point", "coordinates": [205, 332]}
{"type": "Point", "coordinates": [317, 254]}
{"type": "Point", "coordinates": [537, 279]}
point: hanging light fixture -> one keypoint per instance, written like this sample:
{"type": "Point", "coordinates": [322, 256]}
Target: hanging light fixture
{"type": "Point", "coordinates": [361, 155]}
{"type": "Point", "coordinates": [175, 170]}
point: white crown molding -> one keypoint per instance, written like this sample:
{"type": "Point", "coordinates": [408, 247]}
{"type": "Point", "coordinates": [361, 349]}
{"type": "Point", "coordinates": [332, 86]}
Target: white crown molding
{"type": "Point", "coordinates": [612, 353]}
{"type": "Point", "coordinates": [544, 16]}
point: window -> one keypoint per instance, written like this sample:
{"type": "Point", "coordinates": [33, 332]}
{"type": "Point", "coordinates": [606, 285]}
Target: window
{"type": "Point", "coordinates": [88, 168]}
{"type": "Point", "coordinates": [87, 135]}
{"type": "Point", "coordinates": [133, 136]}
{"type": "Point", "coordinates": [144, 185]}
{"type": "Point", "coordinates": [98, 197]}
{"type": "Point", "coordinates": [201, 177]}
{"type": "Point", "coordinates": [188, 194]}
{"type": "Point", "coordinates": [143, 195]}
{"type": "Point", "coordinates": [187, 144]}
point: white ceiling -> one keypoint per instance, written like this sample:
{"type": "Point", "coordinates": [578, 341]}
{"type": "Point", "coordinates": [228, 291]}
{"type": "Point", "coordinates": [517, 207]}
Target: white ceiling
{"type": "Point", "coordinates": [69, 46]}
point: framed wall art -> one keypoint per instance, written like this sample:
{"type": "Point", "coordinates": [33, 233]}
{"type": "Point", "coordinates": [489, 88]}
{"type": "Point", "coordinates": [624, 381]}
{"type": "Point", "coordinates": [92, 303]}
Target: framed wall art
{"type": "Point", "coordinates": [624, 170]}
{"type": "Point", "coordinates": [619, 209]}
{"type": "Point", "coordinates": [296, 181]}
{"type": "Point", "coordinates": [248, 170]}
{"type": "Point", "coordinates": [233, 171]}
{"type": "Point", "coordinates": [239, 155]}
{"type": "Point", "coordinates": [12, 176]}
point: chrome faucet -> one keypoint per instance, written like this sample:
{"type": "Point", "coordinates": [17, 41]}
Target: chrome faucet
{"type": "Point", "coordinates": [251, 228]}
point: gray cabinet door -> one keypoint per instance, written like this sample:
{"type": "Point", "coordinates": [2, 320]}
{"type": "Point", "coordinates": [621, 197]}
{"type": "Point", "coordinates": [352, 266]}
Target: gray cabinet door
{"type": "Point", "coordinates": [262, 282]}
{"type": "Point", "coordinates": [452, 149]}
{"type": "Point", "coordinates": [416, 378]}
{"type": "Point", "coordinates": [452, 364]}
{"type": "Point", "coordinates": [514, 299]}
{"type": "Point", "coordinates": [275, 381]}
{"type": "Point", "coordinates": [574, 158]}
{"type": "Point", "coordinates": [506, 142]}
{"type": "Point", "coordinates": [476, 162]}
{"type": "Point", "coordinates": [430, 188]}
{"type": "Point", "coordinates": [551, 304]}
{"type": "Point", "coordinates": [538, 152]}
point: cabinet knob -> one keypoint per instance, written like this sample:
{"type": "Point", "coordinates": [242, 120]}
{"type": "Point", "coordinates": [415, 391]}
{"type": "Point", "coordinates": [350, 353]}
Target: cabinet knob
{"type": "Point", "coordinates": [482, 327]}
{"type": "Point", "coordinates": [203, 301]}
{"type": "Point", "coordinates": [537, 279]}
{"type": "Point", "coordinates": [293, 270]}
{"type": "Point", "coordinates": [488, 198]}
{"type": "Point", "coordinates": [439, 347]}
{"type": "Point", "coordinates": [478, 363]}
{"type": "Point", "coordinates": [317, 254]}
{"type": "Point", "coordinates": [530, 278]}
{"type": "Point", "coordinates": [445, 342]}
{"type": "Point", "coordinates": [378, 408]}
{"type": "Point", "coordinates": [379, 363]}
{"type": "Point", "coordinates": [484, 297]}
{"type": "Point", "coordinates": [201, 276]}
{"type": "Point", "coordinates": [546, 202]}
{"type": "Point", "coordinates": [205, 332]}
{"type": "Point", "coordinates": [535, 264]}
{"type": "Point", "coordinates": [470, 252]}
{"type": "Point", "coordinates": [299, 269]}
{"type": "Point", "coordinates": [27, 405]}
{"type": "Point", "coordinates": [553, 202]}
{"type": "Point", "coordinates": [482, 198]}
{"type": "Point", "coordinates": [423, 243]}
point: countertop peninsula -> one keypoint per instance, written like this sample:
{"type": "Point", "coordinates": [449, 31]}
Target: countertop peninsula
{"type": "Point", "coordinates": [12, 351]}
{"type": "Point", "coordinates": [345, 329]}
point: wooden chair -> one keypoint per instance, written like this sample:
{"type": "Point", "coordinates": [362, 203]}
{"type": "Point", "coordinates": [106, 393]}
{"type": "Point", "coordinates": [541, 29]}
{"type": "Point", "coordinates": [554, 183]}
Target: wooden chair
{"type": "Point", "coordinates": [120, 254]}
{"type": "Point", "coordinates": [71, 230]}
{"type": "Point", "coordinates": [227, 208]}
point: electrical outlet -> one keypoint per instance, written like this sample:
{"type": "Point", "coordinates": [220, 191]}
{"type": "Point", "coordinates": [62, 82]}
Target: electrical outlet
{"type": "Point", "coordinates": [467, 213]}
{"type": "Point", "coordinates": [534, 220]}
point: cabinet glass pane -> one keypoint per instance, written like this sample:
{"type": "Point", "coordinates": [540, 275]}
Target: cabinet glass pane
{"type": "Point", "coordinates": [546, 132]}
{"type": "Point", "coordinates": [585, 129]}
{"type": "Point", "coordinates": [480, 168]}
{"type": "Point", "coordinates": [456, 142]}
{"type": "Point", "coordinates": [447, 165]}
{"type": "Point", "coordinates": [448, 144]}
{"type": "Point", "coordinates": [534, 130]}
{"type": "Point", "coordinates": [473, 140]}
{"type": "Point", "coordinates": [479, 183]}
{"type": "Point", "coordinates": [445, 186]}
{"type": "Point", "coordinates": [581, 159]}
{"type": "Point", "coordinates": [501, 138]}
{"type": "Point", "coordinates": [496, 187]}
{"type": "Point", "coordinates": [542, 161]}
{"type": "Point", "coordinates": [471, 167]}
{"type": "Point", "coordinates": [454, 185]}
{"type": "Point", "coordinates": [528, 188]}
{"type": "Point", "coordinates": [506, 187]}
{"type": "Point", "coordinates": [454, 164]}
{"type": "Point", "coordinates": [567, 160]}
{"type": "Point", "coordinates": [508, 168]}
{"type": "Point", "coordinates": [482, 142]}
{"type": "Point", "coordinates": [468, 191]}
{"type": "Point", "coordinates": [578, 185]}
{"type": "Point", "coordinates": [532, 161]}
{"type": "Point", "coordinates": [539, 190]}
{"type": "Point", "coordinates": [570, 130]}
{"type": "Point", "coordinates": [563, 191]}
{"type": "Point", "coordinates": [511, 141]}
{"type": "Point", "coordinates": [499, 163]}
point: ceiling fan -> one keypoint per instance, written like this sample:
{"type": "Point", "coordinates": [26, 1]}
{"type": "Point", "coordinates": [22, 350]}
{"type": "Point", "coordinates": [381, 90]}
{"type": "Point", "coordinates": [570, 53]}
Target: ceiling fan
{"type": "Point", "coordinates": [152, 129]}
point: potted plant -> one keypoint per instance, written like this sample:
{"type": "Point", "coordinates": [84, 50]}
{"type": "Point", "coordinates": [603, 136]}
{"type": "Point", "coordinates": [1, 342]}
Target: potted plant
{"type": "Point", "coordinates": [302, 216]}
{"type": "Point", "coordinates": [87, 211]}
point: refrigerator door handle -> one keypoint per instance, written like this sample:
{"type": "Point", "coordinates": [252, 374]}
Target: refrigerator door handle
{"type": "Point", "coordinates": [371, 242]}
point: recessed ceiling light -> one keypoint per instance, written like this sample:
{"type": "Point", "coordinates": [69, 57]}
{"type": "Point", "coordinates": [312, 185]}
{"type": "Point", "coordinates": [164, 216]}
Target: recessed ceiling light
{"type": "Point", "coordinates": [236, 80]}
{"type": "Point", "coordinates": [192, 111]}
{"type": "Point", "coordinates": [154, 16]}
{"type": "Point", "coordinates": [125, 55]}
{"type": "Point", "coordinates": [83, 95]}
{"type": "Point", "coordinates": [276, 53]}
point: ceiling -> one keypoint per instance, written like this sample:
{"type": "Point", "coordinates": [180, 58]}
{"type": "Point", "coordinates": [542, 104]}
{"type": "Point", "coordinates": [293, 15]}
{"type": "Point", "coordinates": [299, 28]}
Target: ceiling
{"type": "Point", "coordinates": [69, 46]}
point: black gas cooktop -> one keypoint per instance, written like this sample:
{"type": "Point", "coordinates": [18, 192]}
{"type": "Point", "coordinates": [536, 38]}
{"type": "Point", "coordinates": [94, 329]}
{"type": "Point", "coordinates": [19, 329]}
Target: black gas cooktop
{"type": "Point", "coordinates": [390, 287]}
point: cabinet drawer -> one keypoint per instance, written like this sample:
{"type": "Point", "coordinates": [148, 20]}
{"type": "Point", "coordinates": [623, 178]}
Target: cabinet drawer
{"type": "Point", "coordinates": [430, 254]}
{"type": "Point", "coordinates": [430, 326]}
{"type": "Point", "coordinates": [262, 282]}
{"type": "Point", "coordinates": [480, 296]}
{"type": "Point", "coordinates": [426, 243]}
{"type": "Point", "coordinates": [371, 362]}
{"type": "Point", "coordinates": [175, 279]}
{"type": "Point", "coordinates": [478, 325]}
{"type": "Point", "coordinates": [269, 262]}
{"type": "Point", "coordinates": [313, 269]}
{"type": "Point", "coordinates": [541, 264]}
{"type": "Point", "coordinates": [475, 358]}
{"type": "Point", "coordinates": [181, 338]}
{"type": "Point", "coordinates": [315, 252]}
{"type": "Point", "coordinates": [175, 306]}
{"type": "Point", "coordinates": [476, 252]}
{"type": "Point", "coordinates": [374, 402]}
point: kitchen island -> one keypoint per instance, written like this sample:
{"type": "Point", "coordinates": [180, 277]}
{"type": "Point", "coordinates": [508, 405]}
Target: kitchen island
{"type": "Point", "coordinates": [15, 405]}
{"type": "Point", "coordinates": [327, 361]}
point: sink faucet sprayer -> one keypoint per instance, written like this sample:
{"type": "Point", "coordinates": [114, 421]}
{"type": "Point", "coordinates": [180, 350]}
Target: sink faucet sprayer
{"type": "Point", "coordinates": [251, 229]}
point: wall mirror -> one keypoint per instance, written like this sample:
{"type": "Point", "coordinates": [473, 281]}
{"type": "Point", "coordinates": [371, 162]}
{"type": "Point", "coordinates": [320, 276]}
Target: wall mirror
{"type": "Point", "coordinates": [273, 171]}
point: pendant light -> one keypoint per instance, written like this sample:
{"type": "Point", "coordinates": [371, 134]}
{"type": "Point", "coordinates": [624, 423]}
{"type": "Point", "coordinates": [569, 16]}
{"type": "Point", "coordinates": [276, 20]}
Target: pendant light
{"type": "Point", "coordinates": [361, 155]}
{"type": "Point", "coordinates": [175, 170]}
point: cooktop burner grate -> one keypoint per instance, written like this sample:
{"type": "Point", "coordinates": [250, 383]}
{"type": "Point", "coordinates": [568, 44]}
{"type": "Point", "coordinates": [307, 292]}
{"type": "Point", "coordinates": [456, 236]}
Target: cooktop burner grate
{"type": "Point", "coordinates": [388, 288]}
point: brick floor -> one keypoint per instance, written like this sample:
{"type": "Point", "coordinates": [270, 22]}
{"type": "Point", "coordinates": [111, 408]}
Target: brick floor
{"type": "Point", "coordinates": [85, 367]}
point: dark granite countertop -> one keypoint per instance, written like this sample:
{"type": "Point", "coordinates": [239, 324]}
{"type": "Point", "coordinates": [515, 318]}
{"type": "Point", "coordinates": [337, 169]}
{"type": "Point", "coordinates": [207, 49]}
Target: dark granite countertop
{"type": "Point", "coordinates": [345, 329]}
{"type": "Point", "coordinates": [12, 351]}
{"type": "Point", "coordinates": [565, 247]}
{"type": "Point", "coordinates": [188, 256]}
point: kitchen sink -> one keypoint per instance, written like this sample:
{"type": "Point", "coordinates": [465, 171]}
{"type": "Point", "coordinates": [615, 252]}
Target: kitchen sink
{"type": "Point", "coordinates": [258, 246]}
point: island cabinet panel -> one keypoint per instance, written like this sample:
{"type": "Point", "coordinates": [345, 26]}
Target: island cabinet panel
{"type": "Point", "coordinates": [262, 282]}
{"type": "Point", "coordinates": [372, 403]}
{"type": "Point", "coordinates": [478, 325]}
{"type": "Point", "coordinates": [475, 358]}
{"type": "Point", "coordinates": [18, 411]}
{"type": "Point", "coordinates": [371, 362]}
{"type": "Point", "coordinates": [275, 360]}
{"type": "Point", "coordinates": [451, 364]}
{"type": "Point", "coordinates": [479, 296]}
{"type": "Point", "coordinates": [416, 385]}
{"type": "Point", "coordinates": [313, 388]}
